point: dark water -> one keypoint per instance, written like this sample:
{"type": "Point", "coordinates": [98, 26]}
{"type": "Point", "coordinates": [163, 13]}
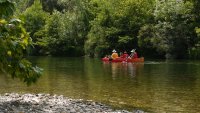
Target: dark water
{"type": "Point", "coordinates": [154, 86]}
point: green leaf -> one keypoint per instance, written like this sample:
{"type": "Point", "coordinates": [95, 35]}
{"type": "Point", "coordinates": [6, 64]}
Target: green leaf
{"type": "Point", "coordinates": [1, 1]}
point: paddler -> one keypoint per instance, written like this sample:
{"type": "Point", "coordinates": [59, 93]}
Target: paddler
{"type": "Point", "coordinates": [125, 55]}
{"type": "Point", "coordinates": [133, 54]}
{"type": "Point", "coordinates": [114, 54]}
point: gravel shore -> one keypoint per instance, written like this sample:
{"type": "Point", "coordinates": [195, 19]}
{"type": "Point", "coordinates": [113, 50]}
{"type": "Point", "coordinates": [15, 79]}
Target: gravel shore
{"type": "Point", "coordinates": [46, 103]}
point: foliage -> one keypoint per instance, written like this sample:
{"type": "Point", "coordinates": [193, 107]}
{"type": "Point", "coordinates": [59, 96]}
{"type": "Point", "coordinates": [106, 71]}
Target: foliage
{"type": "Point", "coordinates": [195, 50]}
{"type": "Point", "coordinates": [14, 41]}
{"type": "Point", "coordinates": [196, 11]}
{"type": "Point", "coordinates": [158, 28]}
{"type": "Point", "coordinates": [21, 6]}
{"type": "Point", "coordinates": [35, 19]}
{"type": "Point", "coordinates": [65, 32]}
{"type": "Point", "coordinates": [171, 34]}
{"type": "Point", "coordinates": [116, 25]}
{"type": "Point", "coordinates": [7, 8]}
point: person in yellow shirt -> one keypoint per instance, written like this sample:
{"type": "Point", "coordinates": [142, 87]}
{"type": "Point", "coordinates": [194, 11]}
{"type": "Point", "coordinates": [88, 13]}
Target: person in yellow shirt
{"type": "Point", "coordinates": [114, 54]}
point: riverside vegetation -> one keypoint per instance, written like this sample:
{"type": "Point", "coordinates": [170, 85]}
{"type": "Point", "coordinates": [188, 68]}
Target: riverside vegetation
{"type": "Point", "coordinates": [156, 28]}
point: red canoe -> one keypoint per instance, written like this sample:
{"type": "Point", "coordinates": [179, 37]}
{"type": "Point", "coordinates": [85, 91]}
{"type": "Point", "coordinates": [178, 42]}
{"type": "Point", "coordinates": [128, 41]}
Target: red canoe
{"type": "Point", "coordinates": [141, 59]}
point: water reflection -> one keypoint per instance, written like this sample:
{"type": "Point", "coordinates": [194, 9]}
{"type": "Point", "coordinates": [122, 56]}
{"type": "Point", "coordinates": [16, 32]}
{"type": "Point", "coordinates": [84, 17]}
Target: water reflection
{"type": "Point", "coordinates": [123, 69]}
{"type": "Point", "coordinates": [156, 86]}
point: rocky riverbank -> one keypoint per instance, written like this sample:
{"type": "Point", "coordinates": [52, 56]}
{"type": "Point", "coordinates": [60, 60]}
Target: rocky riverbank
{"type": "Point", "coordinates": [46, 103]}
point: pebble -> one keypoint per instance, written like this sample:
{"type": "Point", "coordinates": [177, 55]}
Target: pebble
{"type": "Point", "coordinates": [45, 103]}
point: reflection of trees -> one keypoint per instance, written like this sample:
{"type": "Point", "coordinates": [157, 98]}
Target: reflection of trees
{"type": "Point", "coordinates": [159, 87]}
{"type": "Point", "coordinates": [65, 76]}
{"type": "Point", "coordinates": [5, 78]}
{"type": "Point", "coordinates": [182, 75]}
{"type": "Point", "coordinates": [172, 85]}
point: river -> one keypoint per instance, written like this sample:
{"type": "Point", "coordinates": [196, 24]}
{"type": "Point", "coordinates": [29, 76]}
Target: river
{"type": "Point", "coordinates": [153, 86]}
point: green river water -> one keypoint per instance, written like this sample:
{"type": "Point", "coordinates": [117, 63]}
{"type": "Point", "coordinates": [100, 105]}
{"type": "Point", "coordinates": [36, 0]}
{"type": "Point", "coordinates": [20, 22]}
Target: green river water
{"type": "Point", "coordinates": [153, 86]}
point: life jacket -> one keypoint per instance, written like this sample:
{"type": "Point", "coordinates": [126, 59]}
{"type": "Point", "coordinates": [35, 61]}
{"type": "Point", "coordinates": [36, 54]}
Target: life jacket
{"type": "Point", "coordinates": [114, 56]}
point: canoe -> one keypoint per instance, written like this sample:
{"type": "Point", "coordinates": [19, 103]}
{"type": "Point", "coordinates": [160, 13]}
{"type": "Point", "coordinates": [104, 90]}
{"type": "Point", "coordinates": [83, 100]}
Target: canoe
{"type": "Point", "coordinates": [141, 59]}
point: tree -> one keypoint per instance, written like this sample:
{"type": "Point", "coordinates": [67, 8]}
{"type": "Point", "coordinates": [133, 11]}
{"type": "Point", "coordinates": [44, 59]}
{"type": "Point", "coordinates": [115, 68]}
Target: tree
{"type": "Point", "coordinates": [116, 25]}
{"type": "Point", "coordinates": [172, 32]}
{"type": "Point", "coordinates": [195, 49]}
{"type": "Point", "coordinates": [66, 30]}
{"type": "Point", "coordinates": [14, 41]}
{"type": "Point", "coordinates": [35, 20]}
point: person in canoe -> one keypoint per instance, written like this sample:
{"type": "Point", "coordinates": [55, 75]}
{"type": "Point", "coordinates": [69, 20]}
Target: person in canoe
{"type": "Point", "coordinates": [114, 54]}
{"type": "Point", "coordinates": [133, 54]}
{"type": "Point", "coordinates": [125, 55]}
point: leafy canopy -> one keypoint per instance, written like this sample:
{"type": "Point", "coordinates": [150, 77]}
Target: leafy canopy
{"type": "Point", "coordinates": [14, 41]}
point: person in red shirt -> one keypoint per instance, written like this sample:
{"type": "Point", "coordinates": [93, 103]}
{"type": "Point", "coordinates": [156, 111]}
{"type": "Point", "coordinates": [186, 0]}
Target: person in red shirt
{"type": "Point", "coordinates": [133, 54]}
{"type": "Point", "coordinates": [125, 55]}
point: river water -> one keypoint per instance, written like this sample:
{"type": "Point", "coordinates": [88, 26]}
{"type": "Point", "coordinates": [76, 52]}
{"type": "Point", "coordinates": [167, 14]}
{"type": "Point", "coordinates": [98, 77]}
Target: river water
{"type": "Point", "coordinates": [153, 86]}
